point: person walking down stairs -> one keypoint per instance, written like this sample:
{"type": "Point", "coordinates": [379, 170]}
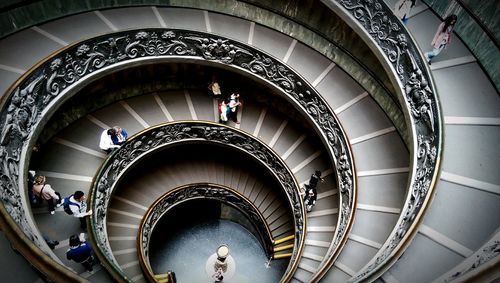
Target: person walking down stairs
{"type": "Point", "coordinates": [442, 37]}
{"type": "Point", "coordinates": [310, 190]}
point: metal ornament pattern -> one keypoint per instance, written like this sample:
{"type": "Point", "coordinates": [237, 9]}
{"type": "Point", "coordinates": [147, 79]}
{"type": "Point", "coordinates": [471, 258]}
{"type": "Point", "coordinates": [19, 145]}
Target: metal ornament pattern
{"type": "Point", "coordinates": [18, 117]}
{"type": "Point", "coordinates": [23, 108]}
{"type": "Point", "coordinates": [205, 191]}
{"type": "Point", "coordinates": [393, 40]}
{"type": "Point", "coordinates": [157, 137]}
{"type": "Point", "coordinates": [487, 253]}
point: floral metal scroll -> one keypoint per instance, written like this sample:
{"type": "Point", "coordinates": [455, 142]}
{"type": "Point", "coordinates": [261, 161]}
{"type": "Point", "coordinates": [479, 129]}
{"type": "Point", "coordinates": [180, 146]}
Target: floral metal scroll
{"type": "Point", "coordinates": [153, 139]}
{"type": "Point", "coordinates": [33, 98]}
{"type": "Point", "coordinates": [202, 191]}
{"type": "Point", "coordinates": [382, 28]}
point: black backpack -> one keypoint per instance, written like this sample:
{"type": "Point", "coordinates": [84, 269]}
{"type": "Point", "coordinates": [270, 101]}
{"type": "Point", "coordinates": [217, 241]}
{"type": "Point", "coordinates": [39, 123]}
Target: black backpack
{"type": "Point", "coordinates": [67, 203]}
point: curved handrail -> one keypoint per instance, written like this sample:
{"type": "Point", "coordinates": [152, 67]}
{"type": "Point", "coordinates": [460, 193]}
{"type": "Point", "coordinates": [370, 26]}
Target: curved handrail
{"type": "Point", "coordinates": [480, 23]}
{"type": "Point", "coordinates": [188, 192]}
{"type": "Point", "coordinates": [33, 99]}
{"type": "Point", "coordinates": [152, 140]}
{"type": "Point", "coordinates": [375, 22]}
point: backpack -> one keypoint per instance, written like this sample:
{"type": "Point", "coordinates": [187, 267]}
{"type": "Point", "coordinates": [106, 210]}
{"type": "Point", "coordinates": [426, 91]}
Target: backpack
{"type": "Point", "coordinates": [67, 203]}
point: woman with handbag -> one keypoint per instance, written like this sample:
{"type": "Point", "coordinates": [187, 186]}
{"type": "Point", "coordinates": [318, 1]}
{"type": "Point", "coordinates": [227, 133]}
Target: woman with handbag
{"type": "Point", "coordinates": [44, 191]}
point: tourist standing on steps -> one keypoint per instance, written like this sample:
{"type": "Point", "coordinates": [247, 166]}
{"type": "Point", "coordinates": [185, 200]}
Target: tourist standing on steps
{"type": "Point", "coordinates": [223, 110]}
{"type": "Point", "coordinates": [77, 206]}
{"type": "Point", "coordinates": [44, 191]}
{"type": "Point", "coordinates": [234, 104]}
{"type": "Point", "coordinates": [442, 37]}
{"type": "Point", "coordinates": [119, 136]}
{"type": "Point", "coordinates": [81, 251]}
{"type": "Point", "coordinates": [106, 143]}
{"type": "Point", "coordinates": [214, 87]}
{"type": "Point", "coordinates": [310, 190]}
{"type": "Point", "coordinates": [310, 197]}
{"type": "Point", "coordinates": [315, 178]}
{"type": "Point", "coordinates": [402, 9]}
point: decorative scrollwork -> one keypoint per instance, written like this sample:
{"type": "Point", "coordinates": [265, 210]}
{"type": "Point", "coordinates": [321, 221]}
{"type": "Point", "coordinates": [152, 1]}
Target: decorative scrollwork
{"type": "Point", "coordinates": [48, 83]}
{"type": "Point", "coordinates": [267, 68]}
{"type": "Point", "coordinates": [485, 254]}
{"type": "Point", "coordinates": [218, 49]}
{"type": "Point", "coordinates": [391, 38]}
{"type": "Point", "coordinates": [205, 191]}
{"type": "Point", "coordinates": [165, 135]}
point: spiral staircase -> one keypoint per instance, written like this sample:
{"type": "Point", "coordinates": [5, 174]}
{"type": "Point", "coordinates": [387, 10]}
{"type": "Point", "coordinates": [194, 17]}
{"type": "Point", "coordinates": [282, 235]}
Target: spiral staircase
{"type": "Point", "coordinates": [457, 238]}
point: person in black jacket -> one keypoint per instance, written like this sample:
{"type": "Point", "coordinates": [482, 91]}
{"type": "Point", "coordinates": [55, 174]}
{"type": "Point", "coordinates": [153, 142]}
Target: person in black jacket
{"type": "Point", "coordinates": [310, 197]}
{"type": "Point", "coordinates": [315, 178]}
{"type": "Point", "coordinates": [311, 193]}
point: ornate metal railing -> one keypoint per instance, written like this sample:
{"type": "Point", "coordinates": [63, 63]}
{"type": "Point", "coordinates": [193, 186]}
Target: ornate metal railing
{"type": "Point", "coordinates": [28, 105]}
{"type": "Point", "coordinates": [156, 138]}
{"type": "Point", "coordinates": [386, 35]}
{"type": "Point", "coordinates": [482, 266]}
{"type": "Point", "coordinates": [198, 191]}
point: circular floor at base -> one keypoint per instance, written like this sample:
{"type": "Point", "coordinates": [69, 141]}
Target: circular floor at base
{"type": "Point", "coordinates": [186, 253]}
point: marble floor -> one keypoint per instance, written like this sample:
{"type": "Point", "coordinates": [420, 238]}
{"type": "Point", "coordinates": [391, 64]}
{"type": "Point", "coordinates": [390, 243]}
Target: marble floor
{"type": "Point", "coordinates": [187, 249]}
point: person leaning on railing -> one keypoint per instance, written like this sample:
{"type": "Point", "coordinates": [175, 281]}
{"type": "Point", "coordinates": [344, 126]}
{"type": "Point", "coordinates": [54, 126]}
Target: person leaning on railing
{"type": "Point", "coordinates": [75, 205]}
{"type": "Point", "coordinates": [112, 138]}
{"type": "Point", "coordinates": [120, 135]}
{"type": "Point", "coordinates": [106, 142]}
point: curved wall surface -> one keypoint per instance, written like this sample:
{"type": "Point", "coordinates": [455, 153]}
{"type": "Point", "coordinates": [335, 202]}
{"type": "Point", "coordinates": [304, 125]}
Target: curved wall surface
{"type": "Point", "coordinates": [458, 238]}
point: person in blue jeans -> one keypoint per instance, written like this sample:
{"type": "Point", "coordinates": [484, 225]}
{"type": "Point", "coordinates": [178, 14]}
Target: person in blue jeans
{"type": "Point", "coordinates": [442, 37]}
{"type": "Point", "coordinates": [81, 251]}
{"type": "Point", "coordinates": [402, 9]}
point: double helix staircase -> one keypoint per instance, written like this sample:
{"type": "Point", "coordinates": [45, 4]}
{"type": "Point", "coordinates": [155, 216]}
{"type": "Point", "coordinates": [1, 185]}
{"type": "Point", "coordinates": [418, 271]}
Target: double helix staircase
{"type": "Point", "coordinates": [458, 223]}
{"type": "Point", "coordinates": [299, 150]}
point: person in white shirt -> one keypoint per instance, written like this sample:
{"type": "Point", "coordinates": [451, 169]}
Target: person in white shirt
{"type": "Point", "coordinates": [79, 208]}
{"type": "Point", "coordinates": [233, 106]}
{"type": "Point", "coordinates": [106, 142]}
{"type": "Point", "coordinates": [223, 111]}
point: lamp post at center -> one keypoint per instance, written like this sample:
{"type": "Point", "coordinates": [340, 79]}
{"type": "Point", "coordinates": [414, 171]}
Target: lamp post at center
{"type": "Point", "coordinates": [222, 254]}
